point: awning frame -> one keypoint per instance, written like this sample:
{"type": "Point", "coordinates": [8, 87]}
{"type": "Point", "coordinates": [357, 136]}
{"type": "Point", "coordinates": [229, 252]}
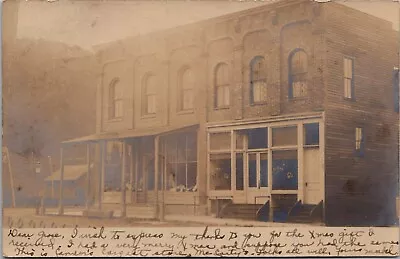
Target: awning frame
{"type": "Point", "coordinates": [109, 136]}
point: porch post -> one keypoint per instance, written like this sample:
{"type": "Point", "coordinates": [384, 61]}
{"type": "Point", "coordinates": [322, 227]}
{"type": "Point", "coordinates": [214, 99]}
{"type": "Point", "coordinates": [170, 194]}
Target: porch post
{"type": "Point", "coordinates": [10, 171]}
{"type": "Point", "coordinates": [163, 181]}
{"type": "Point", "coordinates": [322, 162]}
{"type": "Point", "coordinates": [101, 172]}
{"type": "Point", "coordinates": [300, 159]}
{"type": "Point", "coordinates": [208, 171]}
{"type": "Point", "coordinates": [52, 181]}
{"type": "Point", "coordinates": [136, 171]}
{"type": "Point", "coordinates": [156, 169]}
{"type": "Point", "coordinates": [131, 173]}
{"type": "Point", "coordinates": [123, 187]}
{"type": "Point", "coordinates": [88, 182]}
{"type": "Point", "coordinates": [270, 180]}
{"type": "Point", "coordinates": [60, 202]}
{"type": "Point", "coordinates": [233, 162]}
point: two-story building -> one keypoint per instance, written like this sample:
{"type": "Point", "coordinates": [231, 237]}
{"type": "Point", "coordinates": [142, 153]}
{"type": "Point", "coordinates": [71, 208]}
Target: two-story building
{"type": "Point", "coordinates": [284, 112]}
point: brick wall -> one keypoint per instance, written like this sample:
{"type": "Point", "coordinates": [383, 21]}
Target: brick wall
{"type": "Point", "coordinates": [360, 188]}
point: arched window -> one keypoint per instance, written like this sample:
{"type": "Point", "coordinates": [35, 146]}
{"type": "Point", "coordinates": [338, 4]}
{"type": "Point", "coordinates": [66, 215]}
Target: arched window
{"type": "Point", "coordinates": [258, 80]}
{"type": "Point", "coordinates": [221, 86]}
{"type": "Point", "coordinates": [298, 73]}
{"type": "Point", "coordinates": [149, 95]}
{"type": "Point", "coordinates": [186, 89]}
{"type": "Point", "coordinates": [115, 99]}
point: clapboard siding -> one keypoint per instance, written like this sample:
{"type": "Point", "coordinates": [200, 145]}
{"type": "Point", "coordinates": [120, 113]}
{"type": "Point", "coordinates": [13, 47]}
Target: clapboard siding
{"type": "Point", "coordinates": [355, 183]}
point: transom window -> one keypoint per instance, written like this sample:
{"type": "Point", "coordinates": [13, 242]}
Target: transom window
{"type": "Point", "coordinates": [221, 86]}
{"type": "Point", "coordinates": [150, 95]}
{"type": "Point", "coordinates": [348, 78]}
{"type": "Point", "coordinates": [258, 80]}
{"type": "Point", "coordinates": [115, 99]}
{"type": "Point", "coordinates": [298, 68]}
{"type": "Point", "coordinates": [187, 89]}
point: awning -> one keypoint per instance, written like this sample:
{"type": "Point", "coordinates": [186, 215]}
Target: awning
{"type": "Point", "coordinates": [129, 134]}
{"type": "Point", "coordinates": [71, 173]}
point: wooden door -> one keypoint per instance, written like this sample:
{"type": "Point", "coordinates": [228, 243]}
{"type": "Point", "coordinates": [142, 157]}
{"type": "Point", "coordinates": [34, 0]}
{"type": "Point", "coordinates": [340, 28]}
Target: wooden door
{"type": "Point", "coordinates": [312, 176]}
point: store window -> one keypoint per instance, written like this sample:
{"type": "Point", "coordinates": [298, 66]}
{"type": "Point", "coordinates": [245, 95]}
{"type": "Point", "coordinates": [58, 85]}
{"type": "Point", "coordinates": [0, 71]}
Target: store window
{"type": "Point", "coordinates": [181, 161]}
{"type": "Point", "coordinates": [284, 170]}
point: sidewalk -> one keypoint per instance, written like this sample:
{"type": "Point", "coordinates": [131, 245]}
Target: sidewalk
{"type": "Point", "coordinates": [185, 219]}
{"type": "Point", "coordinates": [211, 220]}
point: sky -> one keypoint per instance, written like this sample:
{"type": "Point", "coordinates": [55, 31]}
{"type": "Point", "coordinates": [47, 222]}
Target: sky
{"type": "Point", "coordinates": [87, 23]}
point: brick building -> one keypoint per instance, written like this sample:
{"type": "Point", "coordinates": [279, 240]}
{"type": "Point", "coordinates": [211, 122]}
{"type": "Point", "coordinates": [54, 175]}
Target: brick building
{"type": "Point", "coordinates": [284, 113]}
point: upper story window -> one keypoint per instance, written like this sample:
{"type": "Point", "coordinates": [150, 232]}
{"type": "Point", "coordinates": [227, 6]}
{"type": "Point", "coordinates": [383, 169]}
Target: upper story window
{"type": "Point", "coordinates": [149, 98]}
{"type": "Point", "coordinates": [186, 90]}
{"type": "Point", "coordinates": [298, 68]}
{"type": "Point", "coordinates": [258, 80]}
{"type": "Point", "coordinates": [359, 136]}
{"type": "Point", "coordinates": [221, 86]}
{"type": "Point", "coordinates": [115, 99]}
{"type": "Point", "coordinates": [348, 74]}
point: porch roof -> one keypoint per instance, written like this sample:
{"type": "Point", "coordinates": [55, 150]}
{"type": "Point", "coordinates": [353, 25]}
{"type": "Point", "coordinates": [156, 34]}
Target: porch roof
{"type": "Point", "coordinates": [135, 133]}
{"type": "Point", "coordinates": [71, 173]}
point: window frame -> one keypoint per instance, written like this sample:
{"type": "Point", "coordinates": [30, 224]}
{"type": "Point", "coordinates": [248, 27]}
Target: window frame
{"type": "Point", "coordinates": [225, 86]}
{"type": "Point", "coordinates": [359, 141]}
{"type": "Point", "coordinates": [291, 74]}
{"type": "Point", "coordinates": [114, 100]}
{"type": "Point", "coordinates": [146, 95]}
{"type": "Point", "coordinates": [253, 81]}
{"type": "Point", "coordinates": [173, 142]}
{"type": "Point", "coordinates": [184, 90]}
{"type": "Point", "coordinates": [352, 88]}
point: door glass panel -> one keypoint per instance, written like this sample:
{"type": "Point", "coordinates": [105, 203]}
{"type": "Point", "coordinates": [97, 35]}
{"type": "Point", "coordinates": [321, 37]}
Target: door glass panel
{"type": "Point", "coordinates": [284, 170]}
{"type": "Point", "coordinates": [220, 171]}
{"type": "Point", "coordinates": [252, 170]}
{"type": "Point", "coordinates": [311, 132]}
{"type": "Point", "coordinates": [263, 170]}
{"type": "Point", "coordinates": [239, 172]}
{"type": "Point", "coordinates": [285, 136]}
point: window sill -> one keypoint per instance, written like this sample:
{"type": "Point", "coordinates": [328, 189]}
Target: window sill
{"type": "Point", "coordinates": [182, 112]}
{"type": "Point", "coordinates": [222, 108]}
{"type": "Point", "coordinates": [149, 116]}
{"type": "Point", "coordinates": [119, 119]}
{"type": "Point", "coordinates": [311, 146]}
{"type": "Point", "coordinates": [258, 103]}
{"type": "Point", "coordinates": [299, 98]}
{"type": "Point", "coordinates": [349, 99]}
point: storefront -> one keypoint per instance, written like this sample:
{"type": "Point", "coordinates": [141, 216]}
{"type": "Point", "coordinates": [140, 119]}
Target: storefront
{"type": "Point", "coordinates": [272, 160]}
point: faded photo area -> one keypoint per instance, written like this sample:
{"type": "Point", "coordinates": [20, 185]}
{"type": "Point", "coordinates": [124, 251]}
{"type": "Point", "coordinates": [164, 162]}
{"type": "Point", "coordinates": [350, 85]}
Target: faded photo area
{"type": "Point", "coordinates": [200, 113]}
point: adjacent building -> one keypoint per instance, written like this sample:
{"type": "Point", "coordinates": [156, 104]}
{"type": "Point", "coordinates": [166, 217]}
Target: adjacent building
{"type": "Point", "coordinates": [284, 113]}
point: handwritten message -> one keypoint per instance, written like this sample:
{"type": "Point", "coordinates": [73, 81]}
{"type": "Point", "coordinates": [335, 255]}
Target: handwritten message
{"type": "Point", "coordinates": [204, 241]}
